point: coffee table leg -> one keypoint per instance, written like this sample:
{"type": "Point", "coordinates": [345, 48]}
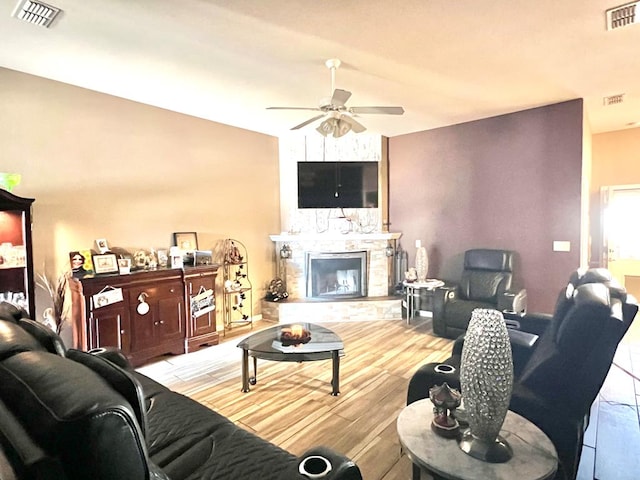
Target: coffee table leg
{"type": "Point", "coordinates": [253, 380]}
{"type": "Point", "coordinates": [335, 380]}
{"type": "Point", "coordinates": [245, 370]}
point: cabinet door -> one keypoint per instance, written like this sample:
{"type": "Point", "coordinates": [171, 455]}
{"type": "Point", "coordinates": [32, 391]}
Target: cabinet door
{"type": "Point", "coordinates": [202, 323]}
{"type": "Point", "coordinates": [169, 321]}
{"type": "Point", "coordinates": [110, 328]}
{"type": "Point", "coordinates": [142, 328]}
{"type": "Point", "coordinates": [164, 318]}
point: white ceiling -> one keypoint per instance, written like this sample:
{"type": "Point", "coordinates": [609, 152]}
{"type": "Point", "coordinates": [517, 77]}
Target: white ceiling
{"type": "Point", "coordinates": [444, 61]}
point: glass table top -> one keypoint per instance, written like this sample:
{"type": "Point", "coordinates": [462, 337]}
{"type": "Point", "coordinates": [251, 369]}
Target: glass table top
{"type": "Point", "coordinates": [294, 338]}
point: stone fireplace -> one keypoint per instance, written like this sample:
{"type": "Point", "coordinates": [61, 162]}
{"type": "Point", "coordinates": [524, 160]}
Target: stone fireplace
{"type": "Point", "coordinates": [374, 282]}
{"type": "Point", "coordinates": [330, 231]}
{"type": "Point", "coordinates": [333, 275]}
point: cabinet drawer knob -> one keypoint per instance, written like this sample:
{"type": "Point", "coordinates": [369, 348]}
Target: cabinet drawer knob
{"type": "Point", "coordinates": [161, 322]}
{"type": "Point", "coordinates": [121, 332]}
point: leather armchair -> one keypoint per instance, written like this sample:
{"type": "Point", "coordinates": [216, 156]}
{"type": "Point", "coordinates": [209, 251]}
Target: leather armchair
{"type": "Point", "coordinates": [485, 283]}
{"type": "Point", "coordinates": [560, 364]}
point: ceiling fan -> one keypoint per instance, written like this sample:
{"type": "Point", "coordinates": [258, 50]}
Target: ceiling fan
{"type": "Point", "coordinates": [338, 117]}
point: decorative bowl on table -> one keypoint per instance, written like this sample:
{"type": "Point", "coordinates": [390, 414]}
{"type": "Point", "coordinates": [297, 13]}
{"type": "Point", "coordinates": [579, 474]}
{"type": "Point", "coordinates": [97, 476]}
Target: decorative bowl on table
{"type": "Point", "coordinates": [294, 335]}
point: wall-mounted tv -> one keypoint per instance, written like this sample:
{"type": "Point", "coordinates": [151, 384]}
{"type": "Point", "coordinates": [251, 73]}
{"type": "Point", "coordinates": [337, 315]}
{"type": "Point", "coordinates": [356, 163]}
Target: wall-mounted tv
{"type": "Point", "coordinates": [337, 184]}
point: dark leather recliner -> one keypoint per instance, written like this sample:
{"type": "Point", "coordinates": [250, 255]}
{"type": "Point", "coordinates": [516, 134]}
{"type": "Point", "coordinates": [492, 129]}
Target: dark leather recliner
{"type": "Point", "coordinates": [560, 363]}
{"type": "Point", "coordinates": [485, 283]}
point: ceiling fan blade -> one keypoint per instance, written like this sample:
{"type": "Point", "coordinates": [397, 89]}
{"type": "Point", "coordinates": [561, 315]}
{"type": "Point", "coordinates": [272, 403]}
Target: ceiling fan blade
{"type": "Point", "coordinates": [311, 120]}
{"type": "Point", "coordinates": [314, 109]}
{"type": "Point", "coordinates": [383, 110]}
{"type": "Point", "coordinates": [340, 97]}
{"type": "Point", "coordinates": [356, 127]}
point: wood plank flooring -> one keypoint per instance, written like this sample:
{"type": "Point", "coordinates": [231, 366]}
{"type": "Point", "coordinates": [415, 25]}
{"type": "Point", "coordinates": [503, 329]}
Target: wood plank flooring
{"type": "Point", "coordinates": [291, 405]}
{"type": "Point", "coordinates": [612, 441]}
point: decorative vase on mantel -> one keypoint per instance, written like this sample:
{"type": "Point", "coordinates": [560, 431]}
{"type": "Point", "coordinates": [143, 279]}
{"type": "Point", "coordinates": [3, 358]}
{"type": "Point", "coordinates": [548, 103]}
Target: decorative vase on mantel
{"type": "Point", "coordinates": [486, 381]}
{"type": "Point", "coordinates": [422, 262]}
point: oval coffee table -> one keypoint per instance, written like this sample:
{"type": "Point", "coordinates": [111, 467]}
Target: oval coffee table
{"type": "Point", "coordinates": [321, 344]}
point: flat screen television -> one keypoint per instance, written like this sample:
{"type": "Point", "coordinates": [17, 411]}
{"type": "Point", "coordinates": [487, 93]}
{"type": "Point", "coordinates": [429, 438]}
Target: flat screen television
{"type": "Point", "coordinates": [337, 184]}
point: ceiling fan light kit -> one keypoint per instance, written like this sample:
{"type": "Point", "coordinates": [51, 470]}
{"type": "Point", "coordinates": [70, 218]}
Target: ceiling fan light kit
{"type": "Point", "coordinates": [338, 118]}
{"type": "Point", "coordinates": [337, 127]}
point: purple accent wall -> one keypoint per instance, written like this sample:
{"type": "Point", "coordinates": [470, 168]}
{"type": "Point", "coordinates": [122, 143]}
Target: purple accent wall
{"type": "Point", "coordinates": [510, 182]}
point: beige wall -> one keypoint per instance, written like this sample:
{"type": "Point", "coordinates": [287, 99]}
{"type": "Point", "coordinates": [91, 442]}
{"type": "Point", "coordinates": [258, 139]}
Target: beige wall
{"type": "Point", "coordinates": [616, 158]}
{"type": "Point", "coordinates": [616, 161]}
{"type": "Point", "coordinates": [103, 167]}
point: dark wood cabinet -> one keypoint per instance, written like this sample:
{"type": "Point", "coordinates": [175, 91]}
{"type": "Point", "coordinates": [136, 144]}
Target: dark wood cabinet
{"type": "Point", "coordinates": [152, 317]}
{"type": "Point", "coordinates": [16, 252]}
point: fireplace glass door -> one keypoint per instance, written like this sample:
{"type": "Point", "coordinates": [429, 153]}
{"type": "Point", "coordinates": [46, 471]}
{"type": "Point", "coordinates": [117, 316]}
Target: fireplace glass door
{"type": "Point", "coordinates": [332, 275]}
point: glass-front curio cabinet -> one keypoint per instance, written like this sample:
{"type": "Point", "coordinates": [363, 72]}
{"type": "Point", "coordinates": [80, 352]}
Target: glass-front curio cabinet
{"type": "Point", "coordinates": [16, 258]}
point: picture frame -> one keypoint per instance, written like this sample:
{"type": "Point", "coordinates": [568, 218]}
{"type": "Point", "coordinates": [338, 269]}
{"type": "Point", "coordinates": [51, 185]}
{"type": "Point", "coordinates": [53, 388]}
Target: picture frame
{"type": "Point", "coordinates": [124, 266]}
{"type": "Point", "coordinates": [186, 240]}
{"type": "Point", "coordinates": [107, 263]}
{"type": "Point", "coordinates": [80, 263]}
{"type": "Point", "coordinates": [102, 245]}
{"type": "Point", "coordinates": [163, 257]}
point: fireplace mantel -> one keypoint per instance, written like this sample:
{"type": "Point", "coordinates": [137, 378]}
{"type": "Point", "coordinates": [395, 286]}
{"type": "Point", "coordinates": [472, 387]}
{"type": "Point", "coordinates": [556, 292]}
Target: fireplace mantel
{"type": "Point", "coordinates": [320, 237]}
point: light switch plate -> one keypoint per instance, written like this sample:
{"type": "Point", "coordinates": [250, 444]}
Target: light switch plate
{"type": "Point", "coordinates": [561, 246]}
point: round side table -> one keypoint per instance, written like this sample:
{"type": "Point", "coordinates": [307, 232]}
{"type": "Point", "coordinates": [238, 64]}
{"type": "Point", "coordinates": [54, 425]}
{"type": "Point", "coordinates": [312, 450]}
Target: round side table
{"type": "Point", "coordinates": [534, 456]}
{"type": "Point", "coordinates": [413, 288]}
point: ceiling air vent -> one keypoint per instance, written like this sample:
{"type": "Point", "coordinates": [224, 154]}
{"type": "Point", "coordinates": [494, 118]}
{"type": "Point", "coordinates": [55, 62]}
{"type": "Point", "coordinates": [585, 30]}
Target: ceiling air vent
{"type": "Point", "coordinates": [613, 99]}
{"type": "Point", "coordinates": [622, 16]}
{"type": "Point", "coordinates": [37, 13]}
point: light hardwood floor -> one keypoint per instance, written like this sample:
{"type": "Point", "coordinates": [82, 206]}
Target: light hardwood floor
{"type": "Point", "coordinates": [291, 404]}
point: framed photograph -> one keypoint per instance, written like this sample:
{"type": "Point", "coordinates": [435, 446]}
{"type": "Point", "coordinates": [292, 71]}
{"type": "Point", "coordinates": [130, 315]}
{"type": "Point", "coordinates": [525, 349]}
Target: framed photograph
{"type": "Point", "coordinates": [163, 257]}
{"type": "Point", "coordinates": [107, 263]}
{"type": "Point", "coordinates": [80, 261]}
{"type": "Point", "coordinates": [124, 265]}
{"type": "Point", "coordinates": [101, 244]}
{"type": "Point", "coordinates": [186, 240]}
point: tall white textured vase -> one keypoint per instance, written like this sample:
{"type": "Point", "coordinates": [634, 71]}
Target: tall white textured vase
{"type": "Point", "coordinates": [486, 380]}
{"type": "Point", "coordinates": [422, 261]}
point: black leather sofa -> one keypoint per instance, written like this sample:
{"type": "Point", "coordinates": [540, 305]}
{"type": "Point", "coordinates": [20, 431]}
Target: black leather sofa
{"type": "Point", "coordinates": [68, 414]}
{"type": "Point", "coordinates": [560, 360]}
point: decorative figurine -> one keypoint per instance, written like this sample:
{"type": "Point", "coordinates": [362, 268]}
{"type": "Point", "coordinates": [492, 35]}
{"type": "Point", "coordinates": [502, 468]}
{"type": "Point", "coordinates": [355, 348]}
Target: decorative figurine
{"type": "Point", "coordinates": [445, 400]}
{"type": "Point", "coordinates": [411, 275]}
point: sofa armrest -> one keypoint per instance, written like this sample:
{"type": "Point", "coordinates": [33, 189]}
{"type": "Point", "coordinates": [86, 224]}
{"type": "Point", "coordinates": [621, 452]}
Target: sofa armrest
{"type": "Point", "coordinates": [114, 355]}
{"type": "Point", "coordinates": [441, 296]}
{"type": "Point", "coordinates": [535, 323]}
{"type": "Point", "coordinates": [513, 301]}
{"type": "Point", "coordinates": [522, 345]}
{"type": "Point", "coordinates": [341, 467]}
{"type": "Point", "coordinates": [456, 350]}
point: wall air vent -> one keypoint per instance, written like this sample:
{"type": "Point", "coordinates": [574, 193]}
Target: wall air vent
{"type": "Point", "coordinates": [623, 16]}
{"type": "Point", "coordinates": [613, 99]}
{"type": "Point", "coordinates": [37, 13]}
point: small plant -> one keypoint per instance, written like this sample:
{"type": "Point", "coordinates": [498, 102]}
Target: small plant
{"type": "Point", "coordinates": [55, 316]}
